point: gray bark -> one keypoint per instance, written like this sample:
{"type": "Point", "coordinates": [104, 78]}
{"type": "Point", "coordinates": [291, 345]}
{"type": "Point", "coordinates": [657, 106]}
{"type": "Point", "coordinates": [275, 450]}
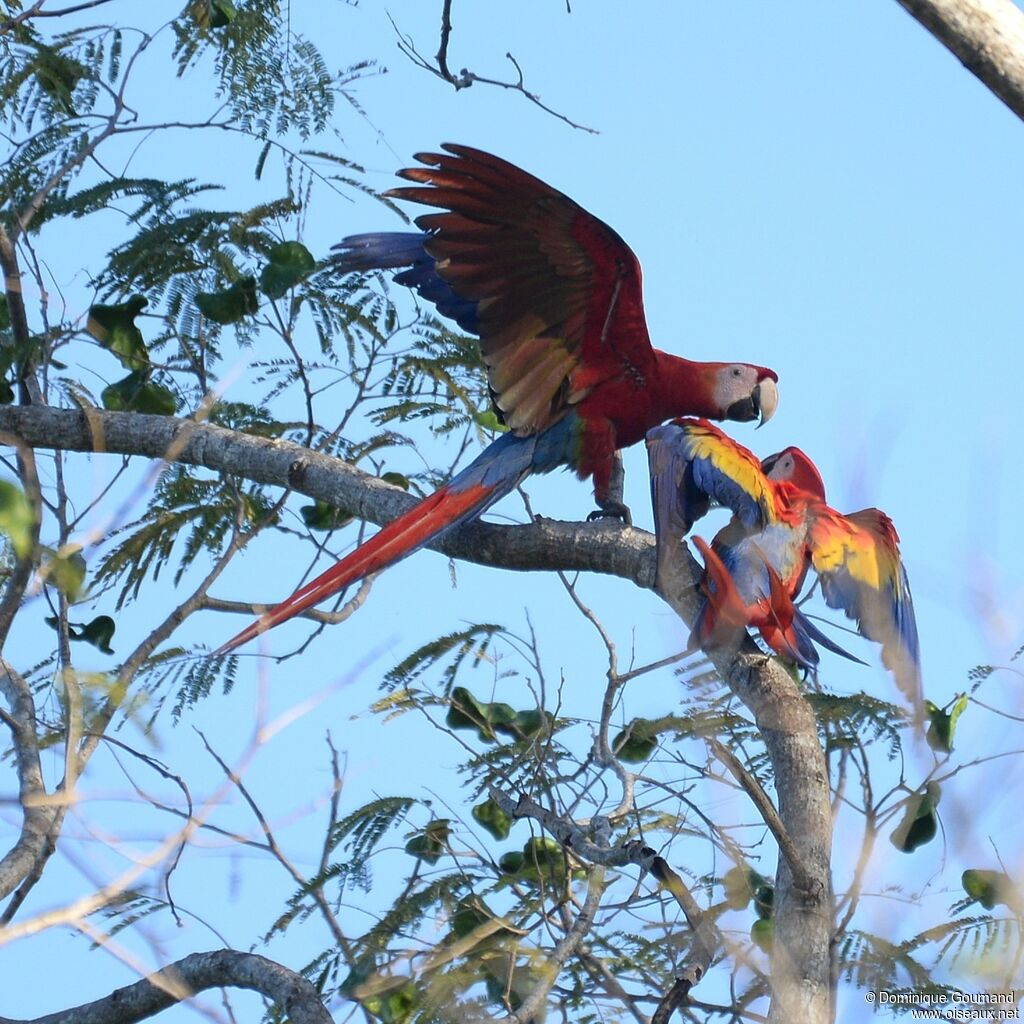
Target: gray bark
{"type": "Point", "coordinates": [38, 816]}
{"type": "Point", "coordinates": [804, 913]}
{"type": "Point", "coordinates": [598, 547]}
{"type": "Point", "coordinates": [223, 968]}
{"type": "Point", "coordinates": [987, 36]}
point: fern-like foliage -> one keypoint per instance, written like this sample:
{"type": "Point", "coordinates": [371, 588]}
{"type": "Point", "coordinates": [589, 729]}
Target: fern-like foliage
{"type": "Point", "coordinates": [197, 512]}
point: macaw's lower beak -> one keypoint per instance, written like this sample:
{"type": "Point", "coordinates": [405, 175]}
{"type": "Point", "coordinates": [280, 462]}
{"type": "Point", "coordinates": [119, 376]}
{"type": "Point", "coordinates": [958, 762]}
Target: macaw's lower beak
{"type": "Point", "coordinates": [761, 402]}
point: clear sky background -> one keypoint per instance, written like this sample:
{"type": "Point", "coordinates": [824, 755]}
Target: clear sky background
{"type": "Point", "coordinates": [820, 188]}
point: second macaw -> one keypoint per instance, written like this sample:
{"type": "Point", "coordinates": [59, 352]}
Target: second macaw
{"type": "Point", "coordinates": [554, 295]}
{"type": "Point", "coordinates": [781, 527]}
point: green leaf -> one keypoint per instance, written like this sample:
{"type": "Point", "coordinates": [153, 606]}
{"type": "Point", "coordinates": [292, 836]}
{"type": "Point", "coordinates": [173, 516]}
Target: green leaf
{"type": "Point", "coordinates": [527, 724]}
{"type": "Point", "coordinates": [212, 13]}
{"type": "Point", "coordinates": [289, 263]}
{"type": "Point", "coordinates": [229, 305]}
{"type": "Point", "coordinates": [488, 419]}
{"type": "Point", "coordinates": [396, 480]}
{"type": "Point", "coordinates": [541, 862]}
{"type": "Point", "coordinates": [5, 313]}
{"type": "Point", "coordinates": [764, 899]}
{"type": "Point", "coordinates": [762, 934]}
{"type": "Point", "coordinates": [429, 844]}
{"type": "Point", "coordinates": [323, 517]}
{"type": "Point", "coordinates": [743, 884]}
{"type": "Point", "coordinates": [512, 863]}
{"type": "Point", "coordinates": [222, 12]}
{"type": "Point", "coordinates": [920, 823]}
{"type": "Point", "coordinates": [493, 818]}
{"type": "Point", "coordinates": [66, 571]}
{"type": "Point", "coordinates": [99, 633]}
{"type": "Point", "coordinates": [114, 328]}
{"type": "Point", "coordinates": [942, 724]}
{"type": "Point", "coordinates": [137, 393]}
{"type": "Point", "coordinates": [636, 742]}
{"type": "Point", "coordinates": [471, 913]}
{"type": "Point", "coordinates": [393, 1007]}
{"type": "Point", "coordinates": [990, 888]}
{"type": "Point", "coordinates": [466, 712]}
{"type": "Point", "coordinates": [17, 520]}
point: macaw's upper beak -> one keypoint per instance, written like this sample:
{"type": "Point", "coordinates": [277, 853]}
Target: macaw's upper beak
{"type": "Point", "coordinates": [761, 402]}
{"type": "Point", "coordinates": [766, 399]}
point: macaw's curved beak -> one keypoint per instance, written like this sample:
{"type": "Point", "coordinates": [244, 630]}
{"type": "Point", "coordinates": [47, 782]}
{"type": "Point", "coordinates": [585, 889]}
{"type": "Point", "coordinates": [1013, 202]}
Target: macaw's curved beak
{"type": "Point", "coordinates": [766, 399]}
{"type": "Point", "coordinates": [761, 402]}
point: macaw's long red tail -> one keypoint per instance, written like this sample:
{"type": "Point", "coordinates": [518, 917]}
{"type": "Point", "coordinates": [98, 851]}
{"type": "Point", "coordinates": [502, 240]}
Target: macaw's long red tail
{"type": "Point", "coordinates": [423, 523]}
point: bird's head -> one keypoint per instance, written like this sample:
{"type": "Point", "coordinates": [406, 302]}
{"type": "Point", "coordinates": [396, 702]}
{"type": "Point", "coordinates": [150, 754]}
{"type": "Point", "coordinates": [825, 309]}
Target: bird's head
{"type": "Point", "coordinates": [793, 466]}
{"type": "Point", "coordinates": [744, 392]}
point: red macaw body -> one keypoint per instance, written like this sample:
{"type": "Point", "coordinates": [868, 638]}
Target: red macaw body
{"type": "Point", "coordinates": [554, 295]}
{"type": "Point", "coordinates": [781, 527]}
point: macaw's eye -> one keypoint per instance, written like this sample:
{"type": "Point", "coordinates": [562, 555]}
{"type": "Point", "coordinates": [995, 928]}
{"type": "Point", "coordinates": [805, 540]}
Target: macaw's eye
{"type": "Point", "coordinates": [736, 371]}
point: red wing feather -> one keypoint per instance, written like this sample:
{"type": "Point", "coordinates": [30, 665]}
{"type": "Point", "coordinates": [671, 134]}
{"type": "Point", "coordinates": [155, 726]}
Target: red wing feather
{"type": "Point", "coordinates": [548, 276]}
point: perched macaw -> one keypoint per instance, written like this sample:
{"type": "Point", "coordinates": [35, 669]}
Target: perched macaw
{"type": "Point", "coordinates": [781, 527]}
{"type": "Point", "coordinates": [554, 295]}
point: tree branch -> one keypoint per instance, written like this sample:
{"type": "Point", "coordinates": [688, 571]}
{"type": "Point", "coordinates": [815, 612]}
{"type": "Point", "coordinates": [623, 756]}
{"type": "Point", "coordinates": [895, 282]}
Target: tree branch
{"type": "Point", "coordinates": [803, 908]}
{"type": "Point", "coordinates": [220, 968]}
{"type": "Point", "coordinates": [987, 36]}
{"type": "Point", "coordinates": [38, 814]}
{"type": "Point", "coordinates": [596, 547]}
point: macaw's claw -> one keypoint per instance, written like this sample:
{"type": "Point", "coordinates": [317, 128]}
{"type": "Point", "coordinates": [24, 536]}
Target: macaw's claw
{"type": "Point", "coordinates": [612, 510]}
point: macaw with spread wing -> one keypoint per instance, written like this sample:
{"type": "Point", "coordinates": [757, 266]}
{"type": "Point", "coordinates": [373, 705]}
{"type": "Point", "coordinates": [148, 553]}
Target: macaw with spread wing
{"type": "Point", "coordinates": [554, 295]}
{"type": "Point", "coordinates": [781, 527]}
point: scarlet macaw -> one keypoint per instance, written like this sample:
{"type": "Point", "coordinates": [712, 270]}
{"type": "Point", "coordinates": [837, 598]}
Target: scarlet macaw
{"type": "Point", "coordinates": [781, 526]}
{"type": "Point", "coordinates": [554, 295]}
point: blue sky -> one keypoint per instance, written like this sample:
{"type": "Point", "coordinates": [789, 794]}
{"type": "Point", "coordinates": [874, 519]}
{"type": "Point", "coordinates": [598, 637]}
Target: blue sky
{"type": "Point", "coordinates": [821, 188]}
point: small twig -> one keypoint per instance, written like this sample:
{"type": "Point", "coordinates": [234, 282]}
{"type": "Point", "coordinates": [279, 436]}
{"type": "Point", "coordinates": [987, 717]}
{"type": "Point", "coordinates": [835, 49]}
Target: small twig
{"type": "Point", "coordinates": [765, 807]}
{"type": "Point", "coordinates": [36, 11]}
{"type": "Point", "coordinates": [465, 78]}
{"type": "Point", "coordinates": [564, 948]}
{"type": "Point", "coordinates": [315, 892]}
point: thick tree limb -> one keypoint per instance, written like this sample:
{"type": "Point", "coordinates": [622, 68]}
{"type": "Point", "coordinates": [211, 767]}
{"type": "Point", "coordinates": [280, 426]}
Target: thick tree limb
{"type": "Point", "coordinates": [986, 35]}
{"type": "Point", "coordinates": [596, 547]}
{"type": "Point", "coordinates": [803, 910]}
{"type": "Point", "coordinates": [293, 994]}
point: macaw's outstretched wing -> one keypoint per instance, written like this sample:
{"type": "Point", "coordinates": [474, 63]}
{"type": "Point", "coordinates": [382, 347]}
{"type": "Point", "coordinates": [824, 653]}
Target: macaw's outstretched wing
{"type": "Point", "coordinates": [858, 561]}
{"type": "Point", "coordinates": [557, 293]}
{"type": "Point", "coordinates": [693, 464]}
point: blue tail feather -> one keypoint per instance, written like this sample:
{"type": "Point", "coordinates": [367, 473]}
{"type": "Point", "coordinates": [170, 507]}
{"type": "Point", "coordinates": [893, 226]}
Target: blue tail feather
{"type": "Point", "coordinates": [393, 250]}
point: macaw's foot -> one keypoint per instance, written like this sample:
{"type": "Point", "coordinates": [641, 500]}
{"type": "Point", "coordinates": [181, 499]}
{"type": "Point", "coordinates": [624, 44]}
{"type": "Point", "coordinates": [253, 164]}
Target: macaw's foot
{"type": "Point", "coordinates": [609, 497]}
{"type": "Point", "coordinates": [612, 510]}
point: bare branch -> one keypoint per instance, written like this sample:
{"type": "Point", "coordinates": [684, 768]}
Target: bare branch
{"type": "Point", "coordinates": [566, 946]}
{"type": "Point", "coordinates": [465, 78]}
{"type": "Point", "coordinates": [767, 810]}
{"type": "Point", "coordinates": [36, 11]}
{"type": "Point", "coordinates": [987, 36]}
{"type": "Point", "coordinates": [596, 547]}
{"type": "Point", "coordinates": [296, 997]}
{"type": "Point", "coordinates": [38, 813]}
